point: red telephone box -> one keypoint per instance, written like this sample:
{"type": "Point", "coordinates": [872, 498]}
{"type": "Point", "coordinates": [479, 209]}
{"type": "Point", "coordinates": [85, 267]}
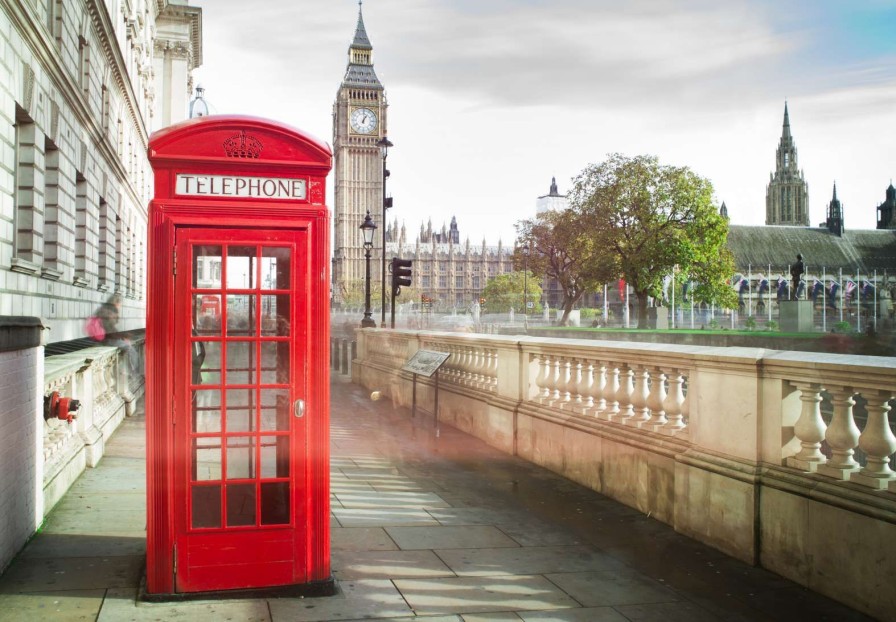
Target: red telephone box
{"type": "Point", "coordinates": [237, 339]}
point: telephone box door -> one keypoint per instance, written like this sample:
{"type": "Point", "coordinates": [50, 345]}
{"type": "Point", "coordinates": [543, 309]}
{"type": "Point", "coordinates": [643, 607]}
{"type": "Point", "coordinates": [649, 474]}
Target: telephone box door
{"type": "Point", "coordinates": [239, 417]}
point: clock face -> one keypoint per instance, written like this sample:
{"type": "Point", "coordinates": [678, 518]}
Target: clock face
{"type": "Point", "coordinates": [363, 120]}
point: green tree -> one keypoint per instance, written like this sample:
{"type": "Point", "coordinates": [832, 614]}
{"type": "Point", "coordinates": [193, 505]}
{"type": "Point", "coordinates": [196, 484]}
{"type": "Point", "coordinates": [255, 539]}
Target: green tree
{"type": "Point", "coordinates": [353, 293]}
{"type": "Point", "coordinates": [560, 249]}
{"type": "Point", "coordinates": [506, 291]}
{"type": "Point", "coordinates": [644, 218]}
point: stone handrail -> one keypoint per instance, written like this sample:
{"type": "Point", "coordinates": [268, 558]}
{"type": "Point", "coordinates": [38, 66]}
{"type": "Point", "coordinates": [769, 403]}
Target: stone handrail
{"type": "Point", "coordinates": [728, 445]}
{"type": "Point", "coordinates": [100, 379]}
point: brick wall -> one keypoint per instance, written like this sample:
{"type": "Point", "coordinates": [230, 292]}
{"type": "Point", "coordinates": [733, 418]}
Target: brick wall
{"type": "Point", "coordinates": [21, 448]}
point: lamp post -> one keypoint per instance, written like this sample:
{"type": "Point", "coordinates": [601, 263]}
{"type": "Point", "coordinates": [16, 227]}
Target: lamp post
{"type": "Point", "coordinates": [368, 227]}
{"type": "Point", "coordinates": [384, 144]}
{"type": "Point", "coordinates": [526, 286]}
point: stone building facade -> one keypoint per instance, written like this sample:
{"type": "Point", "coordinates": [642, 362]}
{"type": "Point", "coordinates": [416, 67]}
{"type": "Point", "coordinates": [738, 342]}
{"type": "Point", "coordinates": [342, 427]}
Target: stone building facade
{"type": "Point", "coordinates": [787, 193]}
{"type": "Point", "coordinates": [83, 83]}
{"type": "Point", "coordinates": [451, 273]}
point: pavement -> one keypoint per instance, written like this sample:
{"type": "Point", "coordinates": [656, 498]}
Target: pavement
{"type": "Point", "coordinates": [440, 529]}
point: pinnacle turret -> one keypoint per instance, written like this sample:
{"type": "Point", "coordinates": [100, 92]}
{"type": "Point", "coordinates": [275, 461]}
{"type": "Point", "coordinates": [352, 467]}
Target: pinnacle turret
{"type": "Point", "coordinates": [786, 131]}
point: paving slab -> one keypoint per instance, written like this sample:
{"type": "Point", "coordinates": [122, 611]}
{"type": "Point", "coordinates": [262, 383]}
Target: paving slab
{"type": "Point", "coordinates": [367, 598]}
{"type": "Point", "coordinates": [388, 565]}
{"type": "Point", "coordinates": [491, 617]}
{"type": "Point", "coordinates": [58, 606]}
{"type": "Point", "coordinates": [390, 499]}
{"type": "Point", "coordinates": [361, 539]}
{"type": "Point", "coordinates": [590, 614]}
{"type": "Point", "coordinates": [55, 545]}
{"type": "Point", "coordinates": [485, 562]}
{"type": "Point", "coordinates": [668, 612]}
{"type": "Point", "coordinates": [449, 537]}
{"type": "Point", "coordinates": [482, 594]}
{"type": "Point", "coordinates": [71, 573]}
{"type": "Point", "coordinates": [619, 586]}
{"type": "Point", "coordinates": [382, 517]}
{"type": "Point", "coordinates": [121, 606]}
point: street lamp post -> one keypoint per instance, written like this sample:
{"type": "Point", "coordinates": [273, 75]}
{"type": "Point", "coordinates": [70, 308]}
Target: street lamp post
{"type": "Point", "coordinates": [368, 227]}
{"type": "Point", "coordinates": [526, 286]}
{"type": "Point", "coordinates": [384, 144]}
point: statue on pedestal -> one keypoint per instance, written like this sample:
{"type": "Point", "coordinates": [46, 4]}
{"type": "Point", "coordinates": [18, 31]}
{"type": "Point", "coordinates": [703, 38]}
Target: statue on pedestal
{"type": "Point", "coordinates": [796, 273]}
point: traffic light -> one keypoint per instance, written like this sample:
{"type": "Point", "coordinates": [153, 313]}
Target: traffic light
{"type": "Point", "coordinates": [482, 301]}
{"type": "Point", "coordinates": [401, 274]}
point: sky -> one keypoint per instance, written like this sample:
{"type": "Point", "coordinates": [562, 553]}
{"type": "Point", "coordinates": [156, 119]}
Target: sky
{"type": "Point", "coordinates": [490, 99]}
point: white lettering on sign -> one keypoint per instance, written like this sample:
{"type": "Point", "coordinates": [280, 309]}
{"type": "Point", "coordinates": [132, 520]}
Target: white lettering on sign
{"type": "Point", "coordinates": [249, 187]}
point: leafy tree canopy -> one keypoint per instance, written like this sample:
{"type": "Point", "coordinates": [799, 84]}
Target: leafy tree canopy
{"type": "Point", "coordinates": [560, 249]}
{"type": "Point", "coordinates": [506, 291]}
{"type": "Point", "coordinates": [645, 218]}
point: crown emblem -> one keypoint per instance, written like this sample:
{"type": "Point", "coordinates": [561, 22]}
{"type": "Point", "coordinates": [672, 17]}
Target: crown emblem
{"type": "Point", "coordinates": [242, 146]}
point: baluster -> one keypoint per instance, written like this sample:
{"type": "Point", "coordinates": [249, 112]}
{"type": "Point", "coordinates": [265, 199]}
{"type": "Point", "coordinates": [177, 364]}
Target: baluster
{"type": "Point", "coordinates": [470, 355]}
{"type": "Point", "coordinates": [657, 399]}
{"type": "Point", "coordinates": [492, 367]}
{"type": "Point", "coordinates": [554, 380]}
{"type": "Point", "coordinates": [809, 429]}
{"type": "Point", "coordinates": [563, 370]}
{"type": "Point", "coordinates": [625, 392]}
{"type": "Point", "coordinates": [878, 442]}
{"type": "Point", "coordinates": [585, 399]}
{"type": "Point", "coordinates": [842, 435]}
{"type": "Point", "coordinates": [574, 386]}
{"type": "Point", "coordinates": [468, 376]}
{"type": "Point", "coordinates": [611, 393]}
{"type": "Point", "coordinates": [479, 367]}
{"type": "Point", "coordinates": [641, 413]}
{"type": "Point", "coordinates": [544, 372]}
{"type": "Point", "coordinates": [674, 403]}
{"type": "Point", "coordinates": [451, 363]}
{"type": "Point", "coordinates": [597, 388]}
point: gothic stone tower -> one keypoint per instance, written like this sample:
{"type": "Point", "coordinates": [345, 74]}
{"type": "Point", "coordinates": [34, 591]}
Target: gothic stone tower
{"type": "Point", "coordinates": [359, 121]}
{"type": "Point", "coordinates": [787, 194]}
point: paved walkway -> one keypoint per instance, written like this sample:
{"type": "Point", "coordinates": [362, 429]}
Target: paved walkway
{"type": "Point", "coordinates": [438, 529]}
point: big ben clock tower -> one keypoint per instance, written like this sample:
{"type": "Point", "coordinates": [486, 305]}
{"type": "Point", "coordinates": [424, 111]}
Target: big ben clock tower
{"type": "Point", "coordinates": [359, 121]}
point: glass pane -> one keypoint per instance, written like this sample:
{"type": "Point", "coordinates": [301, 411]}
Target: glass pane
{"type": "Point", "coordinates": [274, 456]}
{"type": "Point", "coordinates": [206, 459]}
{"type": "Point", "coordinates": [206, 502]}
{"type": "Point", "coordinates": [240, 410]}
{"type": "Point", "coordinates": [241, 457]}
{"type": "Point", "coordinates": [207, 315]}
{"type": "Point", "coordinates": [241, 267]}
{"type": "Point", "coordinates": [275, 410]}
{"type": "Point", "coordinates": [275, 316]}
{"type": "Point", "coordinates": [241, 315]}
{"type": "Point", "coordinates": [207, 411]}
{"type": "Point", "coordinates": [241, 363]}
{"type": "Point", "coordinates": [275, 268]}
{"type": "Point", "coordinates": [207, 267]}
{"type": "Point", "coordinates": [274, 362]}
{"type": "Point", "coordinates": [240, 504]}
{"type": "Point", "coordinates": [274, 503]}
{"type": "Point", "coordinates": [206, 362]}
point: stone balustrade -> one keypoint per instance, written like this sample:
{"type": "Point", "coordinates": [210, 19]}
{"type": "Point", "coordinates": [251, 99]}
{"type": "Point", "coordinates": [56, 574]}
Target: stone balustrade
{"type": "Point", "coordinates": [758, 453]}
{"type": "Point", "coordinates": [100, 379]}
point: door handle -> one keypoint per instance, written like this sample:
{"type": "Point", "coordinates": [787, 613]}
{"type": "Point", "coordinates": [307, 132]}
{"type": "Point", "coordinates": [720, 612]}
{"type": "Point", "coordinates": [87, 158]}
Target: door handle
{"type": "Point", "coordinates": [298, 409]}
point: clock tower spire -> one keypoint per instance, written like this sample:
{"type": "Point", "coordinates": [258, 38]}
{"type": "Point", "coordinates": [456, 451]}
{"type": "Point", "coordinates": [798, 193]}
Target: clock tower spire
{"type": "Point", "coordinates": [359, 121]}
